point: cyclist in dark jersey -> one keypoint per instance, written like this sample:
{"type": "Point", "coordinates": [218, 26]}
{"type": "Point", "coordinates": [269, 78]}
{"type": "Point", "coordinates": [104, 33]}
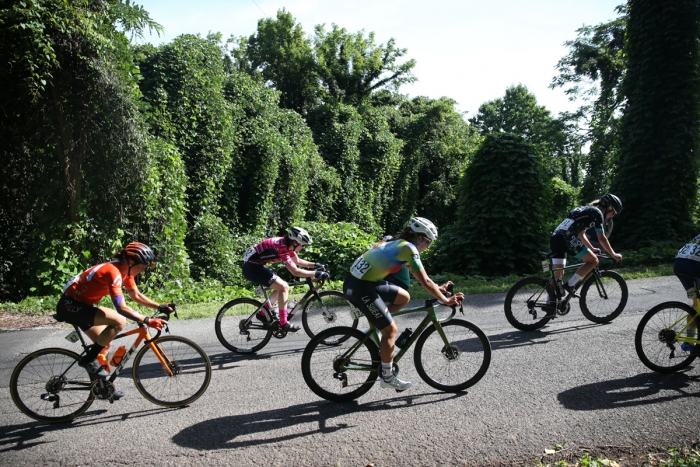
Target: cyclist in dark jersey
{"type": "Point", "coordinates": [367, 288]}
{"type": "Point", "coordinates": [78, 305]}
{"type": "Point", "coordinates": [687, 263]}
{"type": "Point", "coordinates": [275, 250]}
{"type": "Point", "coordinates": [570, 237]}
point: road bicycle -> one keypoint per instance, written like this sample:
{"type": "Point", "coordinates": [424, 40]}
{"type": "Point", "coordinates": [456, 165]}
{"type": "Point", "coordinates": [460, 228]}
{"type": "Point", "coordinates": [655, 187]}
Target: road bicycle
{"type": "Point", "coordinates": [603, 296]}
{"type": "Point", "coordinates": [450, 355]}
{"type": "Point", "coordinates": [48, 385]}
{"type": "Point", "coordinates": [661, 341]}
{"type": "Point", "coordinates": [239, 330]}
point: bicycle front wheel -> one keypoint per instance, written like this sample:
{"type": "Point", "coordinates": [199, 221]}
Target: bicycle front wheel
{"type": "Point", "coordinates": [182, 381]}
{"type": "Point", "coordinates": [655, 339]}
{"type": "Point", "coordinates": [525, 301]}
{"type": "Point", "coordinates": [49, 386]}
{"type": "Point", "coordinates": [332, 310]}
{"type": "Point", "coordinates": [238, 329]}
{"type": "Point", "coordinates": [603, 301]}
{"type": "Point", "coordinates": [457, 365]}
{"type": "Point", "coordinates": [324, 369]}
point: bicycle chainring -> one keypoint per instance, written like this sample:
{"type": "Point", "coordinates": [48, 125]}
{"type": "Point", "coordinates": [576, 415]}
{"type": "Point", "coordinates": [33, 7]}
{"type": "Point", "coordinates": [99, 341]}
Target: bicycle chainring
{"type": "Point", "coordinates": [279, 333]}
{"type": "Point", "coordinates": [564, 308]}
{"type": "Point", "coordinates": [102, 389]}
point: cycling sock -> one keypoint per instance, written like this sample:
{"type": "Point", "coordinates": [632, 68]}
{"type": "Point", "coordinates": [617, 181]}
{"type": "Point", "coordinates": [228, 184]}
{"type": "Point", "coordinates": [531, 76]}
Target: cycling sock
{"type": "Point", "coordinates": [283, 317]}
{"type": "Point", "coordinates": [92, 352]}
{"type": "Point", "coordinates": [574, 280]}
{"type": "Point", "coordinates": [387, 371]}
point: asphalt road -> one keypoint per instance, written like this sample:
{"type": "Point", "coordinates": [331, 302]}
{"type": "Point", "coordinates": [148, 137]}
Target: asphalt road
{"type": "Point", "coordinates": [573, 381]}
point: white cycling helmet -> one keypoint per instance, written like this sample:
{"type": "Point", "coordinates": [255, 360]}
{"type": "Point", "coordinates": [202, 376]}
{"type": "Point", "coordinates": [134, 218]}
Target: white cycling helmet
{"type": "Point", "coordinates": [421, 225]}
{"type": "Point", "coordinates": [299, 235]}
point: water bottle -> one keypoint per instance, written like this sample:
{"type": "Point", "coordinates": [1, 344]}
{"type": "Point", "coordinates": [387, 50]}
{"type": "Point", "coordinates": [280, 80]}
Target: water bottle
{"type": "Point", "coordinates": [276, 314]}
{"type": "Point", "coordinates": [118, 355]}
{"type": "Point", "coordinates": [560, 288]}
{"type": "Point", "coordinates": [103, 359]}
{"type": "Point", "coordinates": [291, 304]}
{"type": "Point", "coordinates": [403, 338]}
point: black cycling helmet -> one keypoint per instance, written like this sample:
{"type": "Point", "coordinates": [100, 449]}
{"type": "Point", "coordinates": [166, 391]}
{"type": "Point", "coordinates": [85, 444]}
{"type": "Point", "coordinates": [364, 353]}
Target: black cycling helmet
{"type": "Point", "coordinates": [612, 201]}
{"type": "Point", "coordinates": [140, 253]}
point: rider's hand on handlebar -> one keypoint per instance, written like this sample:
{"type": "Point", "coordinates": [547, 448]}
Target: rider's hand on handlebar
{"type": "Point", "coordinates": [617, 257]}
{"type": "Point", "coordinates": [455, 300]}
{"type": "Point", "coordinates": [155, 323]}
{"type": "Point", "coordinates": [443, 287]}
{"type": "Point", "coordinates": [166, 308]}
{"type": "Point", "coordinates": [595, 250]}
{"type": "Point", "coordinates": [323, 275]}
{"type": "Point", "coordinates": [320, 267]}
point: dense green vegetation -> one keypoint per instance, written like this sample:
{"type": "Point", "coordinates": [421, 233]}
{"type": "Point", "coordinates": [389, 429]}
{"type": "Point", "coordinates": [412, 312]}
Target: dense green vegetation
{"type": "Point", "coordinates": [203, 146]}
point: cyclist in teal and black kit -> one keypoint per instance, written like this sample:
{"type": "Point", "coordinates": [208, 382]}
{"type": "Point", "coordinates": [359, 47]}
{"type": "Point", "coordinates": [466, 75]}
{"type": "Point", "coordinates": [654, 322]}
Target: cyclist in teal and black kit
{"type": "Point", "coordinates": [570, 237]}
{"type": "Point", "coordinates": [687, 263]}
{"type": "Point", "coordinates": [367, 288]}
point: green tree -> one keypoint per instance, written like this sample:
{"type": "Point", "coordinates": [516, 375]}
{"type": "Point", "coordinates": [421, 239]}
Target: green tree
{"type": "Point", "coordinates": [500, 224]}
{"type": "Point", "coordinates": [592, 72]}
{"type": "Point", "coordinates": [351, 66]}
{"type": "Point", "coordinates": [281, 54]}
{"type": "Point", "coordinates": [657, 174]}
{"type": "Point", "coordinates": [518, 112]}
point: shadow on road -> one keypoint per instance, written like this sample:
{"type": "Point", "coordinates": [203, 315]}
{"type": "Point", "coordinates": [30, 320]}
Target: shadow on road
{"type": "Point", "coordinates": [27, 435]}
{"type": "Point", "coordinates": [222, 433]}
{"type": "Point", "coordinates": [643, 389]}
{"type": "Point", "coordinates": [515, 338]}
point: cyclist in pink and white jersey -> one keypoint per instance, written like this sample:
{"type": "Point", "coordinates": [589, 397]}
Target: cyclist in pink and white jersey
{"type": "Point", "coordinates": [275, 250]}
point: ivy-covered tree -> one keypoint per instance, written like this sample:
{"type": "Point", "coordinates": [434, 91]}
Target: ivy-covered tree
{"type": "Point", "coordinates": [518, 112]}
{"type": "Point", "coordinates": [592, 72]}
{"type": "Point", "coordinates": [658, 169]}
{"type": "Point", "coordinates": [500, 223]}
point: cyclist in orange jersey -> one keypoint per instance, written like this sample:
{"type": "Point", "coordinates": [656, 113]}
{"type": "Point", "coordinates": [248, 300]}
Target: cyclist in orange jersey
{"type": "Point", "coordinates": [78, 305]}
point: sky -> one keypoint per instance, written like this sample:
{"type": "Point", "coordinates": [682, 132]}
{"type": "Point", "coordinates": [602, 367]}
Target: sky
{"type": "Point", "coordinates": [468, 50]}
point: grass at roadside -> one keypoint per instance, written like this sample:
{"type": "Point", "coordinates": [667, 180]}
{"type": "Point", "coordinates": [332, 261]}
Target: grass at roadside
{"type": "Point", "coordinates": [205, 301]}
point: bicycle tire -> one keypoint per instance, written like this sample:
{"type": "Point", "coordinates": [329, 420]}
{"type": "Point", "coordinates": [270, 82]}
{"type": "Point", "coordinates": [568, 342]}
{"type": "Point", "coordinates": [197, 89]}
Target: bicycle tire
{"type": "Point", "coordinates": [458, 369]}
{"type": "Point", "coordinates": [524, 301]}
{"type": "Point", "coordinates": [655, 347]}
{"type": "Point", "coordinates": [333, 310]}
{"type": "Point", "coordinates": [319, 365]}
{"type": "Point", "coordinates": [188, 362]}
{"type": "Point", "coordinates": [597, 308]}
{"type": "Point", "coordinates": [238, 330]}
{"type": "Point", "coordinates": [39, 373]}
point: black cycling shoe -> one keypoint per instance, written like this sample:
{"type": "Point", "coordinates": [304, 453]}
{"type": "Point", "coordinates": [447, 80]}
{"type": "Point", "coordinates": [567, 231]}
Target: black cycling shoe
{"type": "Point", "coordinates": [570, 290]}
{"type": "Point", "coordinates": [289, 327]}
{"type": "Point", "coordinates": [117, 395]}
{"type": "Point", "coordinates": [93, 367]}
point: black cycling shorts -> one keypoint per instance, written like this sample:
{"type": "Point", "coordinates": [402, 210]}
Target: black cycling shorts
{"type": "Point", "coordinates": [259, 274]}
{"type": "Point", "coordinates": [370, 298]}
{"type": "Point", "coordinates": [561, 244]}
{"type": "Point", "coordinates": [74, 312]}
{"type": "Point", "coordinates": [689, 267]}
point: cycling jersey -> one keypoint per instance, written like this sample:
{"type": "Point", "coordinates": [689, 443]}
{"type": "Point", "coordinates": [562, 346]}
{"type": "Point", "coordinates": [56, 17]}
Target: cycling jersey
{"type": "Point", "coordinates": [386, 259]}
{"type": "Point", "coordinates": [580, 219]}
{"type": "Point", "coordinates": [691, 250]}
{"type": "Point", "coordinates": [270, 250]}
{"type": "Point", "coordinates": [103, 279]}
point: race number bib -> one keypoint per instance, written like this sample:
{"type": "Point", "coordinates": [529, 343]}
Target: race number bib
{"type": "Point", "coordinates": [690, 251]}
{"type": "Point", "coordinates": [356, 313]}
{"type": "Point", "coordinates": [360, 267]}
{"type": "Point", "coordinates": [545, 265]}
{"type": "Point", "coordinates": [248, 253]}
{"type": "Point", "coordinates": [72, 337]}
{"type": "Point", "coordinates": [565, 224]}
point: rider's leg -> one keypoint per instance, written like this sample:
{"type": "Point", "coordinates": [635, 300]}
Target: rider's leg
{"type": "Point", "coordinates": [111, 323]}
{"type": "Point", "coordinates": [282, 289]}
{"type": "Point", "coordinates": [402, 298]}
{"type": "Point", "coordinates": [591, 261]}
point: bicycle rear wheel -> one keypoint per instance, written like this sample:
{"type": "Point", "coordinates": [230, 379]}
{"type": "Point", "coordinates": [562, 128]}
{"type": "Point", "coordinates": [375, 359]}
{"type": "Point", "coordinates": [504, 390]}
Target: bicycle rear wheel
{"type": "Point", "coordinates": [238, 329]}
{"type": "Point", "coordinates": [655, 339]}
{"type": "Point", "coordinates": [602, 302]}
{"type": "Point", "coordinates": [458, 365]}
{"type": "Point", "coordinates": [49, 386]}
{"type": "Point", "coordinates": [187, 380]}
{"type": "Point", "coordinates": [325, 373]}
{"type": "Point", "coordinates": [524, 302]}
{"type": "Point", "coordinates": [332, 310]}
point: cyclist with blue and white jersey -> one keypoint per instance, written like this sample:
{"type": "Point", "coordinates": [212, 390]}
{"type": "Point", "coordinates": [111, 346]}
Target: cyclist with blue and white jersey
{"type": "Point", "coordinates": [687, 263]}
{"type": "Point", "coordinates": [368, 290]}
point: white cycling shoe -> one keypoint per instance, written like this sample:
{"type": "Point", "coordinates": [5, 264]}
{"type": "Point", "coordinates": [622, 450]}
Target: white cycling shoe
{"type": "Point", "coordinates": [395, 383]}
